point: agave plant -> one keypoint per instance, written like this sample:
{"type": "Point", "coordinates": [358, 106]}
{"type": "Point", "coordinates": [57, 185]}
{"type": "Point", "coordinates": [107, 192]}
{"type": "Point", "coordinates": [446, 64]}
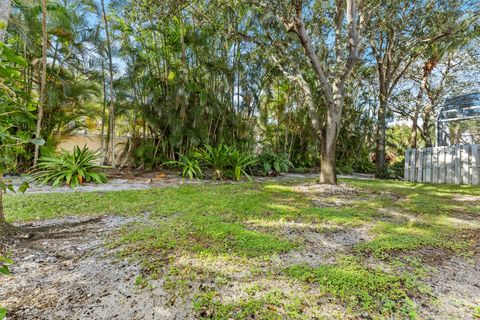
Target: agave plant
{"type": "Point", "coordinates": [190, 167]}
{"type": "Point", "coordinates": [72, 168]}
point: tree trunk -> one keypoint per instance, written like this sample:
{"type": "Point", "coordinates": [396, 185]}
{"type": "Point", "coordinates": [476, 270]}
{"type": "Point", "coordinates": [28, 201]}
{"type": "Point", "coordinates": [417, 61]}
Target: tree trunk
{"type": "Point", "coordinates": [5, 9]}
{"type": "Point", "coordinates": [381, 137]}
{"type": "Point", "coordinates": [2, 215]}
{"type": "Point", "coordinates": [112, 102]}
{"type": "Point", "coordinates": [328, 173]}
{"type": "Point", "coordinates": [416, 113]}
{"type": "Point", "coordinates": [43, 80]}
{"type": "Point", "coordinates": [103, 142]}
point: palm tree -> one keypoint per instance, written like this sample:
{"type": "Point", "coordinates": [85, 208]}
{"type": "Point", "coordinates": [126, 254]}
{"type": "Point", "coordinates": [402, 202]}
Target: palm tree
{"type": "Point", "coordinates": [43, 80]}
{"type": "Point", "coordinates": [112, 98]}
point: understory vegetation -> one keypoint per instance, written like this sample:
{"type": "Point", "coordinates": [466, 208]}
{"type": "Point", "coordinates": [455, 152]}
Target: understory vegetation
{"type": "Point", "coordinates": [70, 168]}
{"type": "Point", "coordinates": [204, 241]}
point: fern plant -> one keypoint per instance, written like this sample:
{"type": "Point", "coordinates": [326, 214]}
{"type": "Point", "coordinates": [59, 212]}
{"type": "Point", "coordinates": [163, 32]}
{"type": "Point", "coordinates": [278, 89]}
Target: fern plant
{"type": "Point", "coordinates": [72, 168]}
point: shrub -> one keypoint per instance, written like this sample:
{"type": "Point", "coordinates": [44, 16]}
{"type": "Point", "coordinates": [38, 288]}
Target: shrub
{"type": "Point", "coordinates": [397, 168]}
{"type": "Point", "coordinates": [218, 158]}
{"type": "Point", "coordinates": [147, 156]}
{"type": "Point", "coordinates": [190, 167]}
{"type": "Point", "coordinates": [72, 168]}
{"type": "Point", "coordinates": [274, 163]}
{"type": "Point", "coordinates": [240, 163]}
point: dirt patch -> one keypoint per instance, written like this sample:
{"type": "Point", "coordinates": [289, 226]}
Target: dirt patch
{"type": "Point", "coordinates": [455, 284]}
{"type": "Point", "coordinates": [324, 195]}
{"type": "Point", "coordinates": [68, 273]}
{"type": "Point", "coordinates": [322, 248]}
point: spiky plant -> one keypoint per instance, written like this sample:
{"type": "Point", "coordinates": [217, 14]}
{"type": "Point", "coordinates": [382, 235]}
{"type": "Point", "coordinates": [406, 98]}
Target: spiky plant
{"type": "Point", "coordinates": [72, 168]}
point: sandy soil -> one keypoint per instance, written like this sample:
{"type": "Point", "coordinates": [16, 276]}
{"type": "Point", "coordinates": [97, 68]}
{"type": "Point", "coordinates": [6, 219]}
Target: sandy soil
{"type": "Point", "coordinates": [68, 273]}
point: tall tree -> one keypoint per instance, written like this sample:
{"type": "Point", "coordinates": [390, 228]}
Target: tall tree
{"type": "Point", "coordinates": [112, 95]}
{"type": "Point", "coordinates": [5, 8]}
{"type": "Point", "coordinates": [43, 80]}
{"type": "Point", "coordinates": [332, 76]}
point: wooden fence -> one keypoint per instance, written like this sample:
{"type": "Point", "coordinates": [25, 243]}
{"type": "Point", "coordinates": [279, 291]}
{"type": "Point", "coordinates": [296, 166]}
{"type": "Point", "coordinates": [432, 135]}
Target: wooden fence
{"type": "Point", "coordinates": [459, 164]}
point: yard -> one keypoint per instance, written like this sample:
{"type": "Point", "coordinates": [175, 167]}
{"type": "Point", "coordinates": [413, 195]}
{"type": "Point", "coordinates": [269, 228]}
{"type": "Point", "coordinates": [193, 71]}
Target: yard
{"type": "Point", "coordinates": [280, 249]}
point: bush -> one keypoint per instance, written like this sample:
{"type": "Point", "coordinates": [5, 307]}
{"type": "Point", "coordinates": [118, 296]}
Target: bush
{"type": "Point", "coordinates": [217, 158]}
{"type": "Point", "coordinates": [274, 163]}
{"type": "Point", "coordinates": [397, 168]}
{"type": "Point", "coordinates": [72, 168]}
{"type": "Point", "coordinates": [240, 164]}
{"type": "Point", "coordinates": [189, 167]}
{"type": "Point", "coordinates": [147, 156]}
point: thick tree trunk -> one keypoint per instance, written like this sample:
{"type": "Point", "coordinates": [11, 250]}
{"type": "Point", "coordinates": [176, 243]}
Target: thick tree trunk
{"type": "Point", "coordinates": [5, 9]}
{"type": "Point", "coordinates": [112, 100]}
{"type": "Point", "coordinates": [43, 80]}
{"type": "Point", "coordinates": [328, 173]}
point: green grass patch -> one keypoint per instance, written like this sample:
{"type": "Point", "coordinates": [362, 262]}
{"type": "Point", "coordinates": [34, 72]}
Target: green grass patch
{"type": "Point", "coordinates": [272, 305]}
{"type": "Point", "coordinates": [392, 238]}
{"type": "Point", "coordinates": [372, 290]}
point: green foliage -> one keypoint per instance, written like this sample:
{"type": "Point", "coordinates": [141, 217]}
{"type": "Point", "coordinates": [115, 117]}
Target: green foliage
{"type": "Point", "coordinates": [16, 118]}
{"type": "Point", "coordinates": [226, 161]}
{"type": "Point", "coordinates": [393, 238]}
{"type": "Point", "coordinates": [73, 168]}
{"type": "Point", "coordinates": [217, 158]}
{"type": "Point", "coordinates": [189, 167]}
{"type": "Point", "coordinates": [4, 265]}
{"type": "Point", "coordinates": [271, 306]}
{"type": "Point", "coordinates": [274, 162]}
{"type": "Point", "coordinates": [146, 155]}
{"type": "Point", "coordinates": [398, 167]}
{"type": "Point", "coordinates": [373, 290]}
{"type": "Point", "coordinates": [240, 164]}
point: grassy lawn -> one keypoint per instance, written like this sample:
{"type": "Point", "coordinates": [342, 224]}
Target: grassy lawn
{"type": "Point", "coordinates": [229, 250]}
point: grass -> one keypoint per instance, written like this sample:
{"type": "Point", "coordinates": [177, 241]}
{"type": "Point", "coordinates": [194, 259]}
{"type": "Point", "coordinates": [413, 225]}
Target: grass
{"type": "Point", "coordinates": [218, 236]}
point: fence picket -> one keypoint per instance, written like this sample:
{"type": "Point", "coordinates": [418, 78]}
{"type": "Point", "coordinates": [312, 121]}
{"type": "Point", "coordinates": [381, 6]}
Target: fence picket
{"type": "Point", "coordinates": [428, 164]}
{"type": "Point", "coordinates": [465, 164]}
{"type": "Point", "coordinates": [420, 165]}
{"type": "Point", "coordinates": [406, 174]}
{"type": "Point", "coordinates": [459, 164]}
{"type": "Point", "coordinates": [475, 164]}
{"type": "Point", "coordinates": [441, 165]}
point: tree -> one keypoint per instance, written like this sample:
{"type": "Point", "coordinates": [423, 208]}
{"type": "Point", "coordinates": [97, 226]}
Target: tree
{"type": "Point", "coordinates": [5, 8]}
{"type": "Point", "coordinates": [332, 76]}
{"type": "Point", "coordinates": [16, 121]}
{"type": "Point", "coordinates": [112, 96]}
{"type": "Point", "coordinates": [43, 80]}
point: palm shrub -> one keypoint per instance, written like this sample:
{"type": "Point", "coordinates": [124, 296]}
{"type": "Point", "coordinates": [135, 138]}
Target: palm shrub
{"type": "Point", "coordinates": [274, 162]}
{"type": "Point", "coordinates": [189, 167]}
{"type": "Point", "coordinates": [72, 168]}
